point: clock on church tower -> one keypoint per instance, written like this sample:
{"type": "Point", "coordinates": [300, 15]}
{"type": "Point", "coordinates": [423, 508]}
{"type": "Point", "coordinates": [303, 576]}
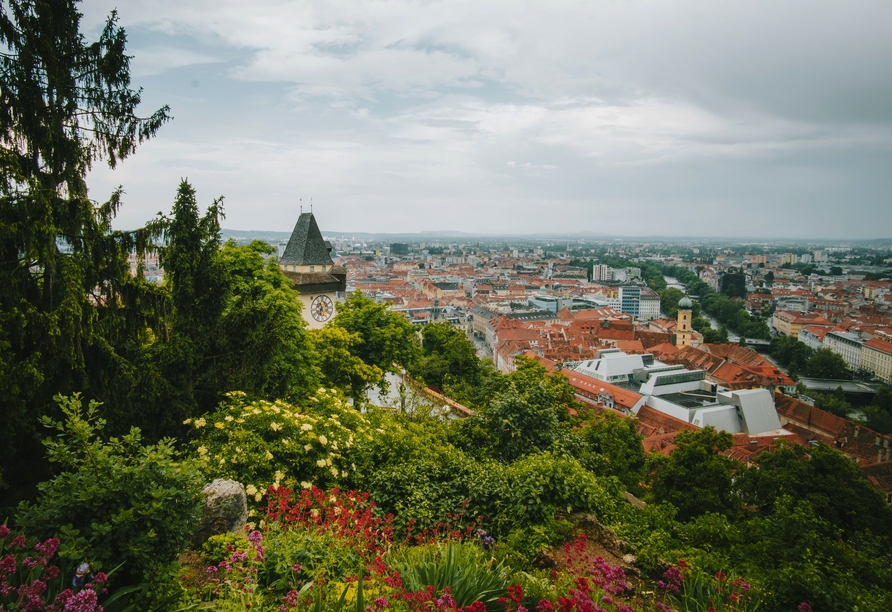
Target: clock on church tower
{"type": "Point", "coordinates": [307, 263]}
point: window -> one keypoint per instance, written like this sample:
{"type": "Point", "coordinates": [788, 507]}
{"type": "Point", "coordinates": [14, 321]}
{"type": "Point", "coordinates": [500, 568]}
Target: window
{"type": "Point", "coordinates": [312, 268]}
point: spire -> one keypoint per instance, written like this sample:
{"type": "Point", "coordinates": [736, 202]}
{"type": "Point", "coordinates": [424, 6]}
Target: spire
{"type": "Point", "coordinates": [306, 246]}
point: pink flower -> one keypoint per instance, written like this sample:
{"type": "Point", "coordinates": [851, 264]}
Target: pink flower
{"type": "Point", "coordinates": [48, 548]}
{"type": "Point", "coordinates": [804, 607]}
{"type": "Point", "coordinates": [4, 531]}
{"type": "Point", "coordinates": [84, 601]}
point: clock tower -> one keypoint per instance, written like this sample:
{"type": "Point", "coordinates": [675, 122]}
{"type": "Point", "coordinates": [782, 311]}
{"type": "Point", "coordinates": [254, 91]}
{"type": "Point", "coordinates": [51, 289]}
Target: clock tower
{"type": "Point", "coordinates": [307, 263]}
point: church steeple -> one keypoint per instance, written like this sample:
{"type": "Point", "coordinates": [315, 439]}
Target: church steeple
{"type": "Point", "coordinates": [683, 329]}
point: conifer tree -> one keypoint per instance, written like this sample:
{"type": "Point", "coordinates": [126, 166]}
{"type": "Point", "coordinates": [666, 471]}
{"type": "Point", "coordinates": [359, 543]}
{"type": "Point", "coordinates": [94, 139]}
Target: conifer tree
{"type": "Point", "coordinates": [68, 305]}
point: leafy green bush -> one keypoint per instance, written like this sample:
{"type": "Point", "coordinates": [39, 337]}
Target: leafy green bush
{"type": "Point", "coordinates": [115, 501]}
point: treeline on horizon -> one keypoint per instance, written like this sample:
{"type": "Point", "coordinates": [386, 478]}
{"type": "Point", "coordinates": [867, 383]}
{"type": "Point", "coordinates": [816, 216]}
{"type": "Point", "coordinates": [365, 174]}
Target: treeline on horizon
{"type": "Point", "coordinates": [121, 398]}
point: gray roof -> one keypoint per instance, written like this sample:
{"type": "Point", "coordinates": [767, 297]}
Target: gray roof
{"type": "Point", "coordinates": [306, 246]}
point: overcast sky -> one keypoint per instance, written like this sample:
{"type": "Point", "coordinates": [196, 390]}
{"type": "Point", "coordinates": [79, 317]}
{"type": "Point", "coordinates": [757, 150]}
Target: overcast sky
{"type": "Point", "coordinates": [750, 118]}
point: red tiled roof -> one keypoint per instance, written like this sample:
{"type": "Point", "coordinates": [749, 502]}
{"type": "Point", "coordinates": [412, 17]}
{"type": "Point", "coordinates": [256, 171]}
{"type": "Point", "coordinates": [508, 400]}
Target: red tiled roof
{"type": "Point", "coordinates": [623, 397]}
{"type": "Point", "coordinates": [884, 346]}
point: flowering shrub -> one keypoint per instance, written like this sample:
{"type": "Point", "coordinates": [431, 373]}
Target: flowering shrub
{"type": "Point", "coordinates": [263, 443]}
{"type": "Point", "coordinates": [588, 584]}
{"type": "Point", "coordinates": [692, 589]}
{"type": "Point", "coordinates": [30, 579]}
{"type": "Point", "coordinates": [327, 533]}
{"type": "Point", "coordinates": [232, 584]}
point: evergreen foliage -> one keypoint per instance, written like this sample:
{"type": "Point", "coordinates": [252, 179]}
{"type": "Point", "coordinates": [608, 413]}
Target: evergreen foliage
{"type": "Point", "coordinates": [69, 309]}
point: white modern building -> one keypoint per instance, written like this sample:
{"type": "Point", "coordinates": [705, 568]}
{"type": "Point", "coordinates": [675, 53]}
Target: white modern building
{"type": "Point", "coordinates": [685, 394]}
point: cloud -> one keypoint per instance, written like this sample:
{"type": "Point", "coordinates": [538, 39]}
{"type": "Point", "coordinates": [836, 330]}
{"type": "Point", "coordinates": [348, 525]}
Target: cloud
{"type": "Point", "coordinates": [641, 105]}
{"type": "Point", "coordinates": [158, 59]}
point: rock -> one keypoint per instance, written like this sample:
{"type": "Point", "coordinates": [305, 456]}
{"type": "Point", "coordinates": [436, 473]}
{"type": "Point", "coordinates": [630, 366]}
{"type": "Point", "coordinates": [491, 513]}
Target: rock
{"type": "Point", "coordinates": [629, 559]}
{"type": "Point", "coordinates": [225, 509]}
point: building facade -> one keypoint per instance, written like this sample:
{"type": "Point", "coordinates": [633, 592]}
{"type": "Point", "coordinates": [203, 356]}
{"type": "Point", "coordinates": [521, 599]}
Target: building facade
{"type": "Point", "coordinates": [846, 345]}
{"type": "Point", "coordinates": [876, 357]}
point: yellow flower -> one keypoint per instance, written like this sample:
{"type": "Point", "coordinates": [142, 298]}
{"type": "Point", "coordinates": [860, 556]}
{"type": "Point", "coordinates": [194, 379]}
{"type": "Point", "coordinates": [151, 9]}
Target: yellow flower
{"type": "Point", "coordinates": [275, 426]}
{"type": "Point", "coordinates": [343, 473]}
{"type": "Point", "coordinates": [219, 425]}
{"type": "Point", "coordinates": [187, 421]}
{"type": "Point", "coordinates": [323, 440]}
{"type": "Point", "coordinates": [202, 450]}
{"type": "Point", "coordinates": [228, 417]}
{"type": "Point", "coordinates": [276, 409]}
{"type": "Point", "coordinates": [240, 420]}
{"type": "Point", "coordinates": [320, 462]}
{"type": "Point", "coordinates": [250, 489]}
{"type": "Point", "coordinates": [306, 427]}
{"type": "Point", "coordinates": [259, 496]}
{"type": "Point", "coordinates": [279, 475]}
{"type": "Point", "coordinates": [307, 447]}
{"type": "Point", "coordinates": [269, 455]}
{"type": "Point", "coordinates": [200, 422]}
{"type": "Point", "coordinates": [256, 411]}
{"type": "Point", "coordinates": [306, 485]}
{"type": "Point", "coordinates": [334, 446]}
{"type": "Point", "coordinates": [334, 472]}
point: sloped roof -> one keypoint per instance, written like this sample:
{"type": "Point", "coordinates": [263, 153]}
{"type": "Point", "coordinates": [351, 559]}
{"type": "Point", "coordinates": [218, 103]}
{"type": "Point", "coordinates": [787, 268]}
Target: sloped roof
{"type": "Point", "coordinates": [306, 246]}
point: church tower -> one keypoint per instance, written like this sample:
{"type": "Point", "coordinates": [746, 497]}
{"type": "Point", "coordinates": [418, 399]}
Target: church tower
{"type": "Point", "coordinates": [683, 330]}
{"type": "Point", "coordinates": [307, 263]}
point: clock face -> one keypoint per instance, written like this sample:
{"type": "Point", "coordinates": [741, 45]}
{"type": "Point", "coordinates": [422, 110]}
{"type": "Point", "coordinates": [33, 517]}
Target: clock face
{"type": "Point", "coordinates": [321, 308]}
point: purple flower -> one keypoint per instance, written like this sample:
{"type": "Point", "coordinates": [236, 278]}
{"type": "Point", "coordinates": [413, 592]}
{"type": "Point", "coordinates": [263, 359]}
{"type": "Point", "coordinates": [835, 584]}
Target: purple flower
{"type": "Point", "coordinates": [48, 548]}
{"type": "Point", "coordinates": [85, 601]}
{"type": "Point", "coordinates": [296, 567]}
{"type": "Point", "coordinates": [804, 607]}
{"type": "Point", "coordinates": [255, 537]}
{"type": "Point", "coordinates": [8, 565]}
{"type": "Point", "coordinates": [4, 531]}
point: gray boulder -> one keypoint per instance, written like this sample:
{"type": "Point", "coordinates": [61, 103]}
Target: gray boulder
{"type": "Point", "coordinates": [225, 509]}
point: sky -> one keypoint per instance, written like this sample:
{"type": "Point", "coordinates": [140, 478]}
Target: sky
{"type": "Point", "coordinates": [684, 118]}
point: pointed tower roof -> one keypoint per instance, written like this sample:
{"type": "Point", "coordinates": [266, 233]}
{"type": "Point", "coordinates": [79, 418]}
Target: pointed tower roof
{"type": "Point", "coordinates": [306, 246]}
